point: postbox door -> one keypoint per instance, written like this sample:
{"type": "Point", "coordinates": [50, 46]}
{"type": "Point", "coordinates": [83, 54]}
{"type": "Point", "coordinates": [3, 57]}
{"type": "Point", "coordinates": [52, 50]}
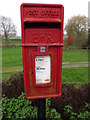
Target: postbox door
{"type": "Point", "coordinates": [43, 86]}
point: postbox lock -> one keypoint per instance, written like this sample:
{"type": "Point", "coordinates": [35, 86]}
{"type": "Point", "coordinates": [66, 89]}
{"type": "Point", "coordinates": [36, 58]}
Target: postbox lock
{"type": "Point", "coordinates": [42, 49]}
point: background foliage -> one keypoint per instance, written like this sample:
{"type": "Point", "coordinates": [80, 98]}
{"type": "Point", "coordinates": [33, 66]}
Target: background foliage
{"type": "Point", "coordinates": [77, 27]}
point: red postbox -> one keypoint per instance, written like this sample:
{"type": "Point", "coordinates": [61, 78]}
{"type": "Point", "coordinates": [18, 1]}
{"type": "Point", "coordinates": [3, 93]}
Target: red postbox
{"type": "Point", "coordinates": [42, 44]}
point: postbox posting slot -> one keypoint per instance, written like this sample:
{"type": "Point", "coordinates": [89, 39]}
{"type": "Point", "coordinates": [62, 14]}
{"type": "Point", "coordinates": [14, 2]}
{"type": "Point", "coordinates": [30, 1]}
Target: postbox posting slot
{"type": "Point", "coordinates": [41, 34]}
{"type": "Point", "coordinates": [41, 24]}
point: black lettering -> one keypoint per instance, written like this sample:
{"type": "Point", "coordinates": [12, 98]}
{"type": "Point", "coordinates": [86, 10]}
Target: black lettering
{"type": "Point", "coordinates": [57, 13]}
{"type": "Point", "coordinates": [32, 13]}
{"type": "Point", "coordinates": [42, 68]}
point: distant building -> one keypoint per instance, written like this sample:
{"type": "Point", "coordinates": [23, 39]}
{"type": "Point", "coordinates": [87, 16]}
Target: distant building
{"type": "Point", "coordinates": [14, 38]}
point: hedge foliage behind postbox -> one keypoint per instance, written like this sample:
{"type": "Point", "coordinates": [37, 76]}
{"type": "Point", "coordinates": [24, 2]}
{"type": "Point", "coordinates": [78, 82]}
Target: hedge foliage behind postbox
{"type": "Point", "coordinates": [17, 108]}
{"type": "Point", "coordinates": [14, 103]}
{"type": "Point", "coordinates": [71, 95]}
{"type": "Point", "coordinates": [20, 108]}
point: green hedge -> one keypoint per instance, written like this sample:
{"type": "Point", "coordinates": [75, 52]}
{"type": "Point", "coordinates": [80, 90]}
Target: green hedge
{"type": "Point", "coordinates": [84, 115]}
{"type": "Point", "coordinates": [13, 109]}
{"type": "Point", "coordinates": [22, 109]}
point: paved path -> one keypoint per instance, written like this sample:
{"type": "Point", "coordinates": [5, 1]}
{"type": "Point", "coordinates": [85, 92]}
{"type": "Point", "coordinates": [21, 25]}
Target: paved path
{"type": "Point", "coordinates": [75, 64]}
{"type": "Point", "coordinates": [64, 65]}
{"type": "Point", "coordinates": [11, 69]}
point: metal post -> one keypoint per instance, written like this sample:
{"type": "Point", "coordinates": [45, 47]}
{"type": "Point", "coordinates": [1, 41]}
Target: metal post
{"type": "Point", "coordinates": [42, 109]}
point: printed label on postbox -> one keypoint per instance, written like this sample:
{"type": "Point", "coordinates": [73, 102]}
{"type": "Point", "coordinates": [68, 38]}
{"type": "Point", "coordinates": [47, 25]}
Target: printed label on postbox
{"type": "Point", "coordinates": [42, 69]}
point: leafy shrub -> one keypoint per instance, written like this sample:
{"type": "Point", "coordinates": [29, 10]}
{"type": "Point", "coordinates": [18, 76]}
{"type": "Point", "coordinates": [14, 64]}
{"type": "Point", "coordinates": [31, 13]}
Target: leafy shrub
{"type": "Point", "coordinates": [51, 113]}
{"type": "Point", "coordinates": [70, 115]}
{"type": "Point", "coordinates": [84, 116]}
{"type": "Point", "coordinates": [13, 109]}
{"type": "Point", "coordinates": [87, 107]}
{"type": "Point", "coordinates": [75, 97]}
{"type": "Point", "coordinates": [18, 108]}
{"type": "Point", "coordinates": [85, 88]}
{"type": "Point", "coordinates": [0, 90]}
{"type": "Point", "coordinates": [0, 109]}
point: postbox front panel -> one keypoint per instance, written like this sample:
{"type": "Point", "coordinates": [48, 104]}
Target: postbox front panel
{"type": "Point", "coordinates": [49, 34]}
{"type": "Point", "coordinates": [42, 41]}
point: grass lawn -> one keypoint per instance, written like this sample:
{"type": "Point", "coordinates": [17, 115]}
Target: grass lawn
{"type": "Point", "coordinates": [75, 55]}
{"type": "Point", "coordinates": [75, 75]}
{"type": "Point", "coordinates": [13, 56]}
{"type": "Point", "coordinates": [69, 75]}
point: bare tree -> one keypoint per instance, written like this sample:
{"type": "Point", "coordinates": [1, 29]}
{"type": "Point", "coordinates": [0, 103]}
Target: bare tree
{"type": "Point", "coordinates": [7, 27]}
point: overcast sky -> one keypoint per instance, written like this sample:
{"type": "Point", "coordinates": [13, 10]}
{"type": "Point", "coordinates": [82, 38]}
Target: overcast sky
{"type": "Point", "coordinates": [11, 8]}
